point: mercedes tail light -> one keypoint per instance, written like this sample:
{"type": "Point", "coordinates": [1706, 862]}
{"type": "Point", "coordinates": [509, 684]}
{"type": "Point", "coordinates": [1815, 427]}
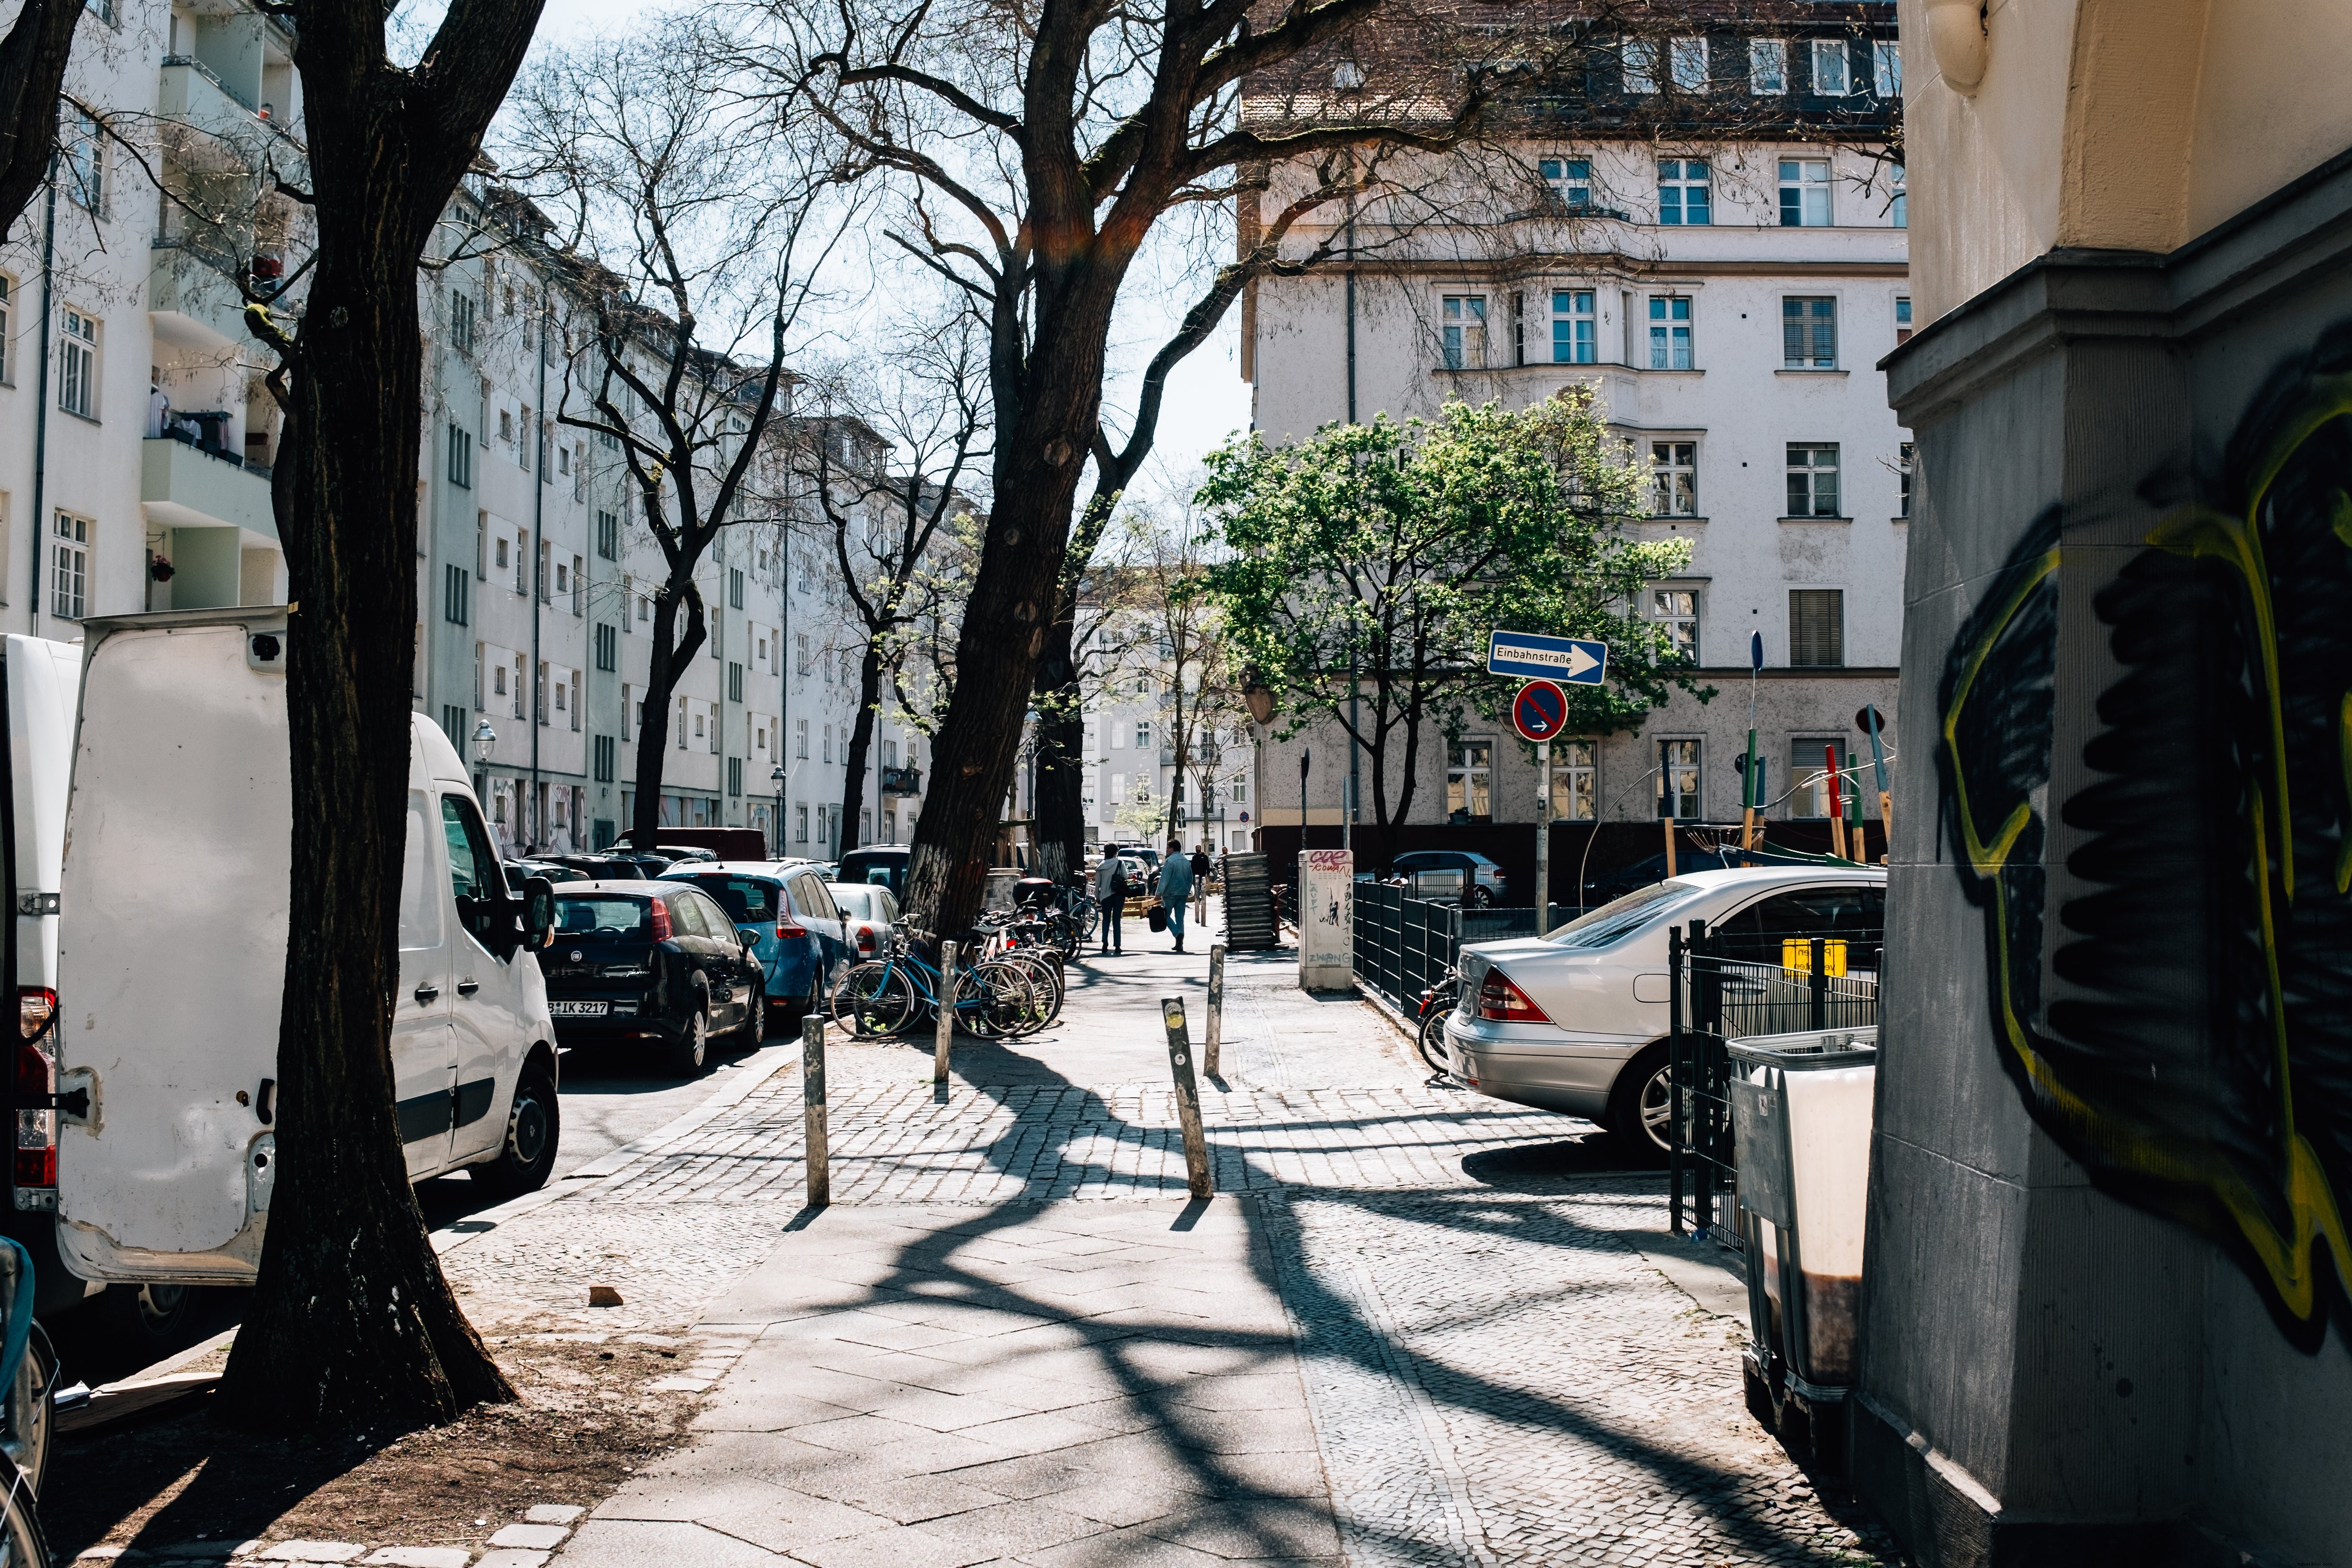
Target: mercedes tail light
{"type": "Point", "coordinates": [1502, 1002]}
{"type": "Point", "coordinates": [865, 943]}
{"type": "Point", "coordinates": [35, 1169]}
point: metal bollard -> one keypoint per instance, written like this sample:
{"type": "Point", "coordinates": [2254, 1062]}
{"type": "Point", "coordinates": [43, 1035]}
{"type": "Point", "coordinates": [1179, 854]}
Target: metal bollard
{"type": "Point", "coordinates": [1197, 1176]}
{"type": "Point", "coordinates": [816, 1134]}
{"type": "Point", "coordinates": [1216, 1007]}
{"type": "Point", "coordinates": [944, 1035]}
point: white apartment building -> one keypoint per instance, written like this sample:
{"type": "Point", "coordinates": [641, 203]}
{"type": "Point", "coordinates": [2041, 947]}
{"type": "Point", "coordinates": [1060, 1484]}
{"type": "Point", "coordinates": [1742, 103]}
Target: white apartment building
{"type": "Point", "coordinates": [1727, 297]}
{"type": "Point", "coordinates": [1132, 776]}
{"type": "Point", "coordinates": [136, 438]}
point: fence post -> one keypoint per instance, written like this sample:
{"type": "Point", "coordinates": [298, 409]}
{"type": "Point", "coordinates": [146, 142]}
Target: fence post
{"type": "Point", "coordinates": [1818, 983]}
{"type": "Point", "coordinates": [944, 1033]}
{"type": "Point", "coordinates": [1216, 1004]}
{"type": "Point", "coordinates": [1197, 1177]}
{"type": "Point", "coordinates": [1700, 1052]}
{"type": "Point", "coordinates": [1674, 1074]}
{"type": "Point", "coordinates": [815, 1137]}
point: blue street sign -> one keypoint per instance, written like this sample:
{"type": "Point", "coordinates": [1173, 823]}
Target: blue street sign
{"type": "Point", "coordinates": [1572, 660]}
{"type": "Point", "coordinates": [1539, 709]}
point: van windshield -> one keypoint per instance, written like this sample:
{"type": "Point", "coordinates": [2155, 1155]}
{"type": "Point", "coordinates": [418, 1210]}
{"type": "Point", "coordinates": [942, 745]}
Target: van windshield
{"type": "Point", "coordinates": [750, 900]}
{"type": "Point", "coordinates": [1620, 918]}
{"type": "Point", "coordinates": [603, 919]}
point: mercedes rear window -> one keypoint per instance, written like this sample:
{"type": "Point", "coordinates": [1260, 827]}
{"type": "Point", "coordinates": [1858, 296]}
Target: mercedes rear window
{"type": "Point", "coordinates": [608, 917]}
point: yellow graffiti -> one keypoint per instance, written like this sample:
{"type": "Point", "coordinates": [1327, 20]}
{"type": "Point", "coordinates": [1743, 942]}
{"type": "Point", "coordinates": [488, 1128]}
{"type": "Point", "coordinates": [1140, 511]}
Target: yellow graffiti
{"type": "Point", "coordinates": [2312, 1213]}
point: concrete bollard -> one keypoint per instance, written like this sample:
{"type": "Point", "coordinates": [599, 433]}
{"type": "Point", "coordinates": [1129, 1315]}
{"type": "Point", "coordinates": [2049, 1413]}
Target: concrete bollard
{"type": "Point", "coordinates": [815, 1135]}
{"type": "Point", "coordinates": [1197, 1176]}
{"type": "Point", "coordinates": [944, 1035]}
{"type": "Point", "coordinates": [1216, 1007]}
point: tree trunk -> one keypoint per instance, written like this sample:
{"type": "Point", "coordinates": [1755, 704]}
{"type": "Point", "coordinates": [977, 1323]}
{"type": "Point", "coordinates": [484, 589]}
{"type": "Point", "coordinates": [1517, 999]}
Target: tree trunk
{"type": "Point", "coordinates": [1061, 830]}
{"type": "Point", "coordinates": [861, 742]}
{"type": "Point", "coordinates": [351, 1322]}
{"type": "Point", "coordinates": [32, 69]}
{"type": "Point", "coordinates": [667, 665]}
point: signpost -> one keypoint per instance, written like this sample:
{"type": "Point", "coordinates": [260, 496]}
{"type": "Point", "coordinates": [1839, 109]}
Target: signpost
{"type": "Point", "coordinates": [1572, 660]}
{"type": "Point", "coordinates": [1539, 712]}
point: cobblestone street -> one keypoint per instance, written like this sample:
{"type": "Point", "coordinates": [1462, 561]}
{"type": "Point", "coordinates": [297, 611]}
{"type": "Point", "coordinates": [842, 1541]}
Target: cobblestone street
{"type": "Point", "coordinates": [1417, 1326]}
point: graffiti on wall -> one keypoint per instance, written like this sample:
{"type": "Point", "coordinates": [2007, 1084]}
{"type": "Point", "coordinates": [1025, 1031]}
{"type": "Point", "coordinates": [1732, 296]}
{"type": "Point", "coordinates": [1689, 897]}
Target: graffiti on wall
{"type": "Point", "coordinates": [2197, 1055]}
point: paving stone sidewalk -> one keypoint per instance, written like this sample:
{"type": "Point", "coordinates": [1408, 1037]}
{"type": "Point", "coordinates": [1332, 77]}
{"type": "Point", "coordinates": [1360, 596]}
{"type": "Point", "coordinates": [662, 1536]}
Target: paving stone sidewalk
{"type": "Point", "coordinates": [1417, 1326]}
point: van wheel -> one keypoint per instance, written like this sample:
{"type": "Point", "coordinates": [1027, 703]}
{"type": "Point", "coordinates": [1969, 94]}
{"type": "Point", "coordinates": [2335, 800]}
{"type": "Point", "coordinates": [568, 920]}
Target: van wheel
{"type": "Point", "coordinates": [158, 1318]}
{"type": "Point", "coordinates": [687, 1058]}
{"type": "Point", "coordinates": [533, 1128]}
{"type": "Point", "coordinates": [1642, 1106]}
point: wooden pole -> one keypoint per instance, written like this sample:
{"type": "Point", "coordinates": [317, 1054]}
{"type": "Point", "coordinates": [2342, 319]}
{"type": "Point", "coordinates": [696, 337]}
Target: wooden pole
{"type": "Point", "coordinates": [1751, 796]}
{"type": "Point", "coordinates": [1198, 1178]}
{"type": "Point", "coordinates": [1837, 801]}
{"type": "Point", "coordinates": [1216, 1006]}
{"type": "Point", "coordinates": [1854, 811]}
{"type": "Point", "coordinates": [815, 1135]}
{"type": "Point", "coordinates": [1669, 825]}
{"type": "Point", "coordinates": [943, 1035]}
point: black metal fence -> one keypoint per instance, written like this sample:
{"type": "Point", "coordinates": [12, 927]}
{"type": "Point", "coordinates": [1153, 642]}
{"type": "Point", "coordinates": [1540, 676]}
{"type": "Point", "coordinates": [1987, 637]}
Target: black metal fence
{"type": "Point", "coordinates": [1735, 984]}
{"type": "Point", "coordinates": [1404, 945]}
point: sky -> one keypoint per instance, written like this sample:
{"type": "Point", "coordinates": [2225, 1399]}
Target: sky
{"type": "Point", "coordinates": [1207, 400]}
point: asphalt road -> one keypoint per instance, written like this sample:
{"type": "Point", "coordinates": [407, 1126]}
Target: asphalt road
{"type": "Point", "coordinates": [606, 1102]}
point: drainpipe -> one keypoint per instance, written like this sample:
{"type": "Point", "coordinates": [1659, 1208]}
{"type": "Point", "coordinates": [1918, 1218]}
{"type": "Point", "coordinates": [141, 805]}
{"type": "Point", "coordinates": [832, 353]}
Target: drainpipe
{"type": "Point", "coordinates": [539, 565]}
{"type": "Point", "coordinates": [41, 392]}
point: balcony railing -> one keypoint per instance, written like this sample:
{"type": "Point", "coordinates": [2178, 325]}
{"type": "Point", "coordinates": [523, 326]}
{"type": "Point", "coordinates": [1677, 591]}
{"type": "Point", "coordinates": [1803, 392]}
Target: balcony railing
{"type": "Point", "coordinates": [902, 781]}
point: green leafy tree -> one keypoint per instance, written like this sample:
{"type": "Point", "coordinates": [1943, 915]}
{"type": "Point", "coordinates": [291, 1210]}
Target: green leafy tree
{"type": "Point", "coordinates": [1396, 548]}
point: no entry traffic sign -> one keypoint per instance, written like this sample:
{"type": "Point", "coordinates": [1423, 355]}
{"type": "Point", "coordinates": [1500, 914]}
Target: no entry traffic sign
{"type": "Point", "coordinates": [1539, 709]}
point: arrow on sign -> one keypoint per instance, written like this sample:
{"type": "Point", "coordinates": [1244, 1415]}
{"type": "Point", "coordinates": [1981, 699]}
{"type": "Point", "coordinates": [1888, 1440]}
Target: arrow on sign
{"type": "Point", "coordinates": [1571, 659]}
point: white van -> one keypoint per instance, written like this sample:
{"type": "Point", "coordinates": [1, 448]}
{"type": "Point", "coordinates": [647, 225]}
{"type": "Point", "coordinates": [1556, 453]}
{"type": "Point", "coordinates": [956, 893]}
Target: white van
{"type": "Point", "coordinates": [172, 958]}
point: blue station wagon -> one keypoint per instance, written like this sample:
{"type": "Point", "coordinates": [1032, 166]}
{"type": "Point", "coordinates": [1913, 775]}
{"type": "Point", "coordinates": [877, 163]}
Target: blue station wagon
{"type": "Point", "coordinates": [800, 937]}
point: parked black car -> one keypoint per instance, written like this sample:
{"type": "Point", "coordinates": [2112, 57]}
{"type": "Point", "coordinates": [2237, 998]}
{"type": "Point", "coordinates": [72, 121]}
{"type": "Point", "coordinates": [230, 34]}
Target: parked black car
{"type": "Point", "coordinates": [882, 863]}
{"type": "Point", "coordinates": [653, 964]}
{"type": "Point", "coordinates": [1601, 886]}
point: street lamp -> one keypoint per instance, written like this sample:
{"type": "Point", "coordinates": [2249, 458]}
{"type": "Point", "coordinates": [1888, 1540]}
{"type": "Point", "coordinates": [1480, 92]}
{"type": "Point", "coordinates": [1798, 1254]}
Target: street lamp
{"type": "Point", "coordinates": [1259, 696]}
{"type": "Point", "coordinates": [486, 740]}
{"type": "Point", "coordinates": [776, 777]}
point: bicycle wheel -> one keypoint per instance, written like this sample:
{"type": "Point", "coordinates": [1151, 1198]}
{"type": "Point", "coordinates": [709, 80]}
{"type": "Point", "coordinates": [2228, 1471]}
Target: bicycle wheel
{"type": "Point", "coordinates": [1086, 915]}
{"type": "Point", "coordinates": [874, 1000]}
{"type": "Point", "coordinates": [994, 999]}
{"type": "Point", "coordinates": [1044, 969]}
{"type": "Point", "coordinates": [22, 1544]}
{"type": "Point", "coordinates": [1433, 1041]}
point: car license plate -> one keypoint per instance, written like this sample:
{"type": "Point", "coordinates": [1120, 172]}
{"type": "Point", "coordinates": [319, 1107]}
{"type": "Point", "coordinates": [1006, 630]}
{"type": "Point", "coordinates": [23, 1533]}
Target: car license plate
{"type": "Point", "coordinates": [578, 1009]}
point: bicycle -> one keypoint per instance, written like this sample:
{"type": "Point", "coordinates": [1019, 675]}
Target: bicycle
{"type": "Point", "coordinates": [1029, 945]}
{"type": "Point", "coordinates": [885, 997]}
{"type": "Point", "coordinates": [1436, 1003]}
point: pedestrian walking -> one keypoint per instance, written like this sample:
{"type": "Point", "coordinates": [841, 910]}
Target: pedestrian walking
{"type": "Point", "coordinates": [1200, 881]}
{"type": "Point", "coordinates": [1110, 897]}
{"type": "Point", "coordinates": [1175, 889]}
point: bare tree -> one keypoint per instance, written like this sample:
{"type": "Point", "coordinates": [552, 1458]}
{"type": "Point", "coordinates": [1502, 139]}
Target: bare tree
{"type": "Point", "coordinates": [351, 1320]}
{"type": "Point", "coordinates": [697, 228]}
{"type": "Point", "coordinates": [1035, 150]}
{"type": "Point", "coordinates": [926, 407]}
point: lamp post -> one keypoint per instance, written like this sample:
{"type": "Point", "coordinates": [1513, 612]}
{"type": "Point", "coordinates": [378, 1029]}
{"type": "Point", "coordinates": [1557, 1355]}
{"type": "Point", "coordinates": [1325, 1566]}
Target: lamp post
{"type": "Point", "coordinates": [776, 777]}
{"type": "Point", "coordinates": [486, 741]}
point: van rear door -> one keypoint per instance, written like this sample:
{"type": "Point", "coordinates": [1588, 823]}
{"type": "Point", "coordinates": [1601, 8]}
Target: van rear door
{"type": "Point", "coordinates": [172, 951]}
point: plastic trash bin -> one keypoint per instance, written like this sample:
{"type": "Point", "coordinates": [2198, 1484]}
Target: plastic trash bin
{"type": "Point", "coordinates": [1800, 1110]}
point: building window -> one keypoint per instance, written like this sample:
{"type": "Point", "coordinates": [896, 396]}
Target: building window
{"type": "Point", "coordinates": [461, 321]}
{"type": "Point", "coordinates": [506, 426]}
{"type": "Point", "coordinates": [1465, 331]}
{"type": "Point", "coordinates": [1905, 466]}
{"type": "Point", "coordinates": [461, 457]}
{"type": "Point", "coordinates": [1143, 735]}
{"type": "Point", "coordinates": [1808, 334]}
{"type": "Point", "coordinates": [1573, 339]}
{"type": "Point", "coordinates": [608, 536]}
{"type": "Point", "coordinates": [1816, 627]}
{"type": "Point", "coordinates": [499, 679]}
{"type": "Point", "coordinates": [1887, 67]}
{"type": "Point", "coordinates": [8, 330]}
{"type": "Point", "coordinates": [734, 775]}
{"type": "Point", "coordinates": [734, 681]}
{"type": "Point", "coordinates": [607, 759]}
{"type": "Point", "coordinates": [457, 585]}
{"type": "Point", "coordinates": [77, 363]}
{"type": "Point", "coordinates": [608, 647]}
{"type": "Point", "coordinates": [1767, 64]}
{"type": "Point", "coordinates": [800, 824]}
{"type": "Point", "coordinates": [1641, 65]}
{"type": "Point", "coordinates": [1470, 781]}
{"type": "Point", "coordinates": [801, 654]}
{"type": "Point", "coordinates": [735, 587]}
{"type": "Point", "coordinates": [800, 737]}
{"type": "Point", "coordinates": [1686, 59]}
{"type": "Point", "coordinates": [70, 567]}
{"type": "Point", "coordinates": [1575, 781]}
{"type": "Point", "coordinates": [1809, 770]}
{"type": "Point", "coordinates": [1678, 780]}
{"type": "Point", "coordinates": [1676, 611]}
{"type": "Point", "coordinates": [1670, 331]}
{"type": "Point", "coordinates": [1813, 480]}
{"type": "Point", "coordinates": [1804, 193]}
{"type": "Point", "coordinates": [83, 155]}
{"type": "Point", "coordinates": [1682, 196]}
{"type": "Point", "coordinates": [1673, 464]}
{"type": "Point", "coordinates": [1832, 76]}
{"type": "Point", "coordinates": [1903, 318]}
{"type": "Point", "coordinates": [1569, 180]}
{"type": "Point", "coordinates": [1898, 203]}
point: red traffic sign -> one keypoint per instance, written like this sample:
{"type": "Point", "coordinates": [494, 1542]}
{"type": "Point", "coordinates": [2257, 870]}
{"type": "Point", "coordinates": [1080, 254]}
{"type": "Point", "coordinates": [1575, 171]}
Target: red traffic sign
{"type": "Point", "coordinates": [1540, 710]}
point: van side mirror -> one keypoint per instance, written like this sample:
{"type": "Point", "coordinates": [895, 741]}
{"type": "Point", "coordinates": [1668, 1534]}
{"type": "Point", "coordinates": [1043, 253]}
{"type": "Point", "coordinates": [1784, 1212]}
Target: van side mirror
{"type": "Point", "coordinates": [539, 911]}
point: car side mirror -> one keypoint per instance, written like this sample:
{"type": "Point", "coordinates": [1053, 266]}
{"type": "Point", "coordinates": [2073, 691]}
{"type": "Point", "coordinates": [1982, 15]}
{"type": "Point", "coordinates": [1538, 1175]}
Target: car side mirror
{"type": "Point", "coordinates": [539, 911]}
{"type": "Point", "coordinates": [749, 938]}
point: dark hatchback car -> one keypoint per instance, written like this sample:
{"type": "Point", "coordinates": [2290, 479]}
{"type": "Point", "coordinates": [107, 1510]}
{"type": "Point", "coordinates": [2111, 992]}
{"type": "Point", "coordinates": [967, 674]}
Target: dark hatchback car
{"type": "Point", "coordinates": [657, 964]}
{"type": "Point", "coordinates": [885, 864]}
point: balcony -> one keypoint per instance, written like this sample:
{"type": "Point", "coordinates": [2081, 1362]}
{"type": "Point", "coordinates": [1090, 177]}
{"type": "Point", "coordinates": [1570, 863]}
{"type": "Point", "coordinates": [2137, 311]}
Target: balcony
{"type": "Point", "coordinates": [193, 94]}
{"type": "Point", "coordinates": [191, 304]}
{"type": "Point", "coordinates": [902, 781]}
{"type": "Point", "coordinates": [186, 486]}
